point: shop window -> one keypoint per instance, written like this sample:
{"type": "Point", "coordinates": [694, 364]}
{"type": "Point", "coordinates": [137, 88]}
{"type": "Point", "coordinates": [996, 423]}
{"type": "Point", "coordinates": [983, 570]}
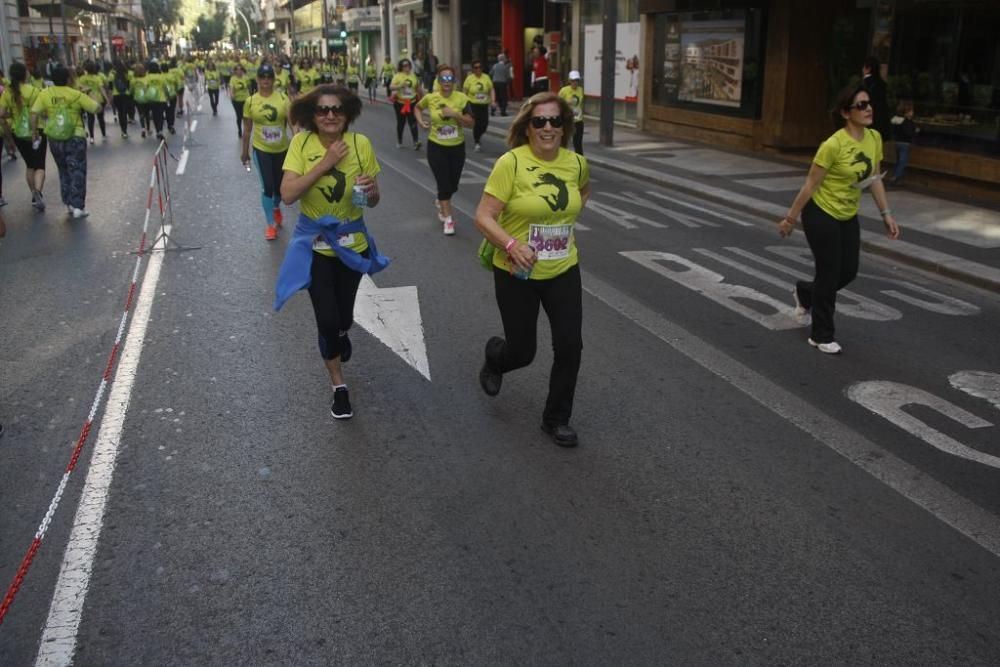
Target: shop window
{"type": "Point", "coordinates": [627, 67]}
{"type": "Point", "coordinates": [946, 59]}
{"type": "Point", "coordinates": [709, 61]}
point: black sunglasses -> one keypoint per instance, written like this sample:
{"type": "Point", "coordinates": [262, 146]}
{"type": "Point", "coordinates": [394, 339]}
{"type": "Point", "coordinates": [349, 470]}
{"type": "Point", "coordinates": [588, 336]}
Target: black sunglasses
{"type": "Point", "coordinates": [860, 105]}
{"type": "Point", "coordinates": [335, 109]}
{"type": "Point", "coordinates": [538, 122]}
{"type": "Point", "coordinates": [265, 76]}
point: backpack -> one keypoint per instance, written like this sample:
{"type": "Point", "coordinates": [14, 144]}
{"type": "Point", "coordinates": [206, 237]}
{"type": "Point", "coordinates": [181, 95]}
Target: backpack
{"type": "Point", "coordinates": [61, 121]}
{"type": "Point", "coordinates": [121, 85]}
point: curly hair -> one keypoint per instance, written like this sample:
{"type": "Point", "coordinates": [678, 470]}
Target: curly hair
{"type": "Point", "coordinates": [518, 133]}
{"type": "Point", "coordinates": [304, 108]}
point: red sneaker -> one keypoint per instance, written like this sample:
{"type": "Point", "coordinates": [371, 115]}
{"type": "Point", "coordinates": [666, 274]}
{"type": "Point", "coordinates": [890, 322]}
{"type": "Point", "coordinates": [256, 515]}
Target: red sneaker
{"type": "Point", "coordinates": [272, 233]}
{"type": "Point", "coordinates": [278, 218]}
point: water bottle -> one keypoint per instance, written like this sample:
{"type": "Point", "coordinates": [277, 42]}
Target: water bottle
{"type": "Point", "coordinates": [247, 165]}
{"type": "Point", "coordinates": [359, 196]}
{"type": "Point", "coordinates": [36, 143]}
{"type": "Point", "coordinates": [519, 273]}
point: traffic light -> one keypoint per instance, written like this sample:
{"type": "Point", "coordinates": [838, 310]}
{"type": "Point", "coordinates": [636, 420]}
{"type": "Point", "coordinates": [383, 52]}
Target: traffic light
{"type": "Point", "coordinates": [343, 30]}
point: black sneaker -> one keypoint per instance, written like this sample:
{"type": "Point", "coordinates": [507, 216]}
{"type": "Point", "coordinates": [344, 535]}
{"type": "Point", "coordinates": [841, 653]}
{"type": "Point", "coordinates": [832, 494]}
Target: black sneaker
{"type": "Point", "coordinates": [489, 379]}
{"type": "Point", "coordinates": [345, 348]}
{"type": "Point", "coordinates": [341, 408]}
{"type": "Point", "coordinates": [561, 434]}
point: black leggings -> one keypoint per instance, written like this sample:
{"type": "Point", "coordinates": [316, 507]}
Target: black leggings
{"type": "Point", "coordinates": [578, 137]}
{"type": "Point", "coordinates": [269, 166]}
{"type": "Point", "coordinates": [562, 298]}
{"type": "Point", "coordinates": [171, 112]}
{"type": "Point", "coordinates": [123, 106]}
{"type": "Point", "coordinates": [145, 113]}
{"type": "Point", "coordinates": [158, 109]}
{"type": "Point", "coordinates": [402, 119]}
{"type": "Point", "coordinates": [835, 246]}
{"type": "Point", "coordinates": [446, 164]}
{"type": "Point", "coordinates": [238, 108]}
{"type": "Point", "coordinates": [100, 120]}
{"type": "Point", "coordinates": [332, 291]}
{"type": "Point", "coordinates": [213, 98]}
{"type": "Point", "coordinates": [481, 114]}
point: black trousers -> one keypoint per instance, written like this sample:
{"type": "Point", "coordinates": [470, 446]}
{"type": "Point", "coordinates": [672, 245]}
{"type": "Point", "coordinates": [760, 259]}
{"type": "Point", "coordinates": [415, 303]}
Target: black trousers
{"type": "Point", "coordinates": [171, 111]}
{"type": "Point", "coordinates": [123, 107]}
{"type": "Point", "coordinates": [145, 113]}
{"type": "Point", "coordinates": [402, 119]}
{"type": "Point", "coordinates": [158, 109]}
{"type": "Point", "coordinates": [213, 98]}
{"type": "Point", "coordinates": [562, 299]}
{"type": "Point", "coordinates": [481, 115]}
{"type": "Point", "coordinates": [503, 95]}
{"type": "Point", "coordinates": [578, 137]}
{"type": "Point", "coordinates": [446, 164]}
{"type": "Point", "coordinates": [99, 115]}
{"type": "Point", "coordinates": [238, 108]}
{"type": "Point", "coordinates": [269, 166]}
{"type": "Point", "coordinates": [835, 246]}
{"type": "Point", "coordinates": [333, 290]}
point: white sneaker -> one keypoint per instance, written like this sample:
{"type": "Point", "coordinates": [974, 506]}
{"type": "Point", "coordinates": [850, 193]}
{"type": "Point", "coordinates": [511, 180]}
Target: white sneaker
{"type": "Point", "coordinates": [79, 213]}
{"type": "Point", "coordinates": [833, 347]}
{"type": "Point", "coordinates": [449, 226]}
{"type": "Point", "coordinates": [399, 145]}
{"type": "Point", "coordinates": [478, 148]}
{"type": "Point", "coordinates": [800, 310]}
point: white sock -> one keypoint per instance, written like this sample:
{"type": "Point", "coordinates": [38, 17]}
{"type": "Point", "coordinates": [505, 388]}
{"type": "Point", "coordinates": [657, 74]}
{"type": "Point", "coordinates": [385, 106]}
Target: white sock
{"type": "Point", "coordinates": [339, 386]}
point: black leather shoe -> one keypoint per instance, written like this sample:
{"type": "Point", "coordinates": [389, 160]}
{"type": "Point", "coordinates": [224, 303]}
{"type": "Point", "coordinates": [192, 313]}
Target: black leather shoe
{"type": "Point", "coordinates": [489, 379]}
{"type": "Point", "coordinates": [561, 434]}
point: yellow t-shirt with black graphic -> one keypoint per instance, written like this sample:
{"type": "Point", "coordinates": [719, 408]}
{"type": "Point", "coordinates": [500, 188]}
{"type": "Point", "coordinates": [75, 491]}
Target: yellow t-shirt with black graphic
{"type": "Point", "coordinates": [405, 86]}
{"type": "Point", "coordinates": [574, 98]}
{"type": "Point", "coordinates": [268, 114]}
{"type": "Point", "coordinates": [478, 88]}
{"type": "Point", "coordinates": [445, 131]}
{"type": "Point", "coordinates": [19, 116]}
{"type": "Point", "coordinates": [848, 163]}
{"type": "Point", "coordinates": [239, 88]}
{"type": "Point", "coordinates": [541, 204]}
{"type": "Point", "coordinates": [331, 194]}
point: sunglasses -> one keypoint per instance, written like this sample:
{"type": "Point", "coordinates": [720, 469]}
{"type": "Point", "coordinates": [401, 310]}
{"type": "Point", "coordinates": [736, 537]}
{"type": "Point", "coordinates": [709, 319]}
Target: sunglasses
{"type": "Point", "coordinates": [447, 78]}
{"type": "Point", "coordinates": [335, 109]}
{"type": "Point", "coordinates": [265, 76]}
{"type": "Point", "coordinates": [860, 106]}
{"type": "Point", "coordinates": [538, 122]}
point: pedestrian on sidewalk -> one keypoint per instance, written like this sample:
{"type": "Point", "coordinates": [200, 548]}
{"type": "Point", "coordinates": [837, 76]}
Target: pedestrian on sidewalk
{"type": "Point", "coordinates": [539, 70]}
{"type": "Point", "coordinates": [405, 90]}
{"type": "Point", "coordinates": [332, 173]}
{"type": "Point", "coordinates": [478, 87]}
{"type": "Point", "coordinates": [449, 112]}
{"type": "Point", "coordinates": [846, 164]}
{"type": "Point", "coordinates": [502, 74]}
{"type": "Point", "coordinates": [904, 131]}
{"type": "Point", "coordinates": [528, 210]}
{"type": "Point", "coordinates": [15, 110]}
{"type": "Point", "coordinates": [573, 94]}
{"type": "Point", "coordinates": [265, 118]}
{"type": "Point", "coordinates": [875, 86]}
{"type": "Point", "coordinates": [62, 108]}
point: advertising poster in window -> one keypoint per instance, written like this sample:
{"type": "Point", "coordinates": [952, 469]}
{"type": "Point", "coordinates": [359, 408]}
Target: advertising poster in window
{"type": "Point", "coordinates": [712, 62]}
{"type": "Point", "coordinates": [626, 61]}
{"type": "Point", "coordinates": [671, 63]}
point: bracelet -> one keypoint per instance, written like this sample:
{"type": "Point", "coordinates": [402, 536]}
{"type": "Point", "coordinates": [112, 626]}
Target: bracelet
{"type": "Point", "coordinates": [510, 244]}
{"type": "Point", "coordinates": [886, 212]}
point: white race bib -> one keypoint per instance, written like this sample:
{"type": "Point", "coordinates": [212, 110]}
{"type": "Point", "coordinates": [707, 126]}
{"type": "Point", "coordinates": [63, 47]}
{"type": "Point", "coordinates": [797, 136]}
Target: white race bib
{"type": "Point", "coordinates": [550, 241]}
{"type": "Point", "coordinates": [447, 132]}
{"type": "Point", "coordinates": [272, 134]}
{"type": "Point", "coordinates": [482, 97]}
{"type": "Point", "coordinates": [345, 240]}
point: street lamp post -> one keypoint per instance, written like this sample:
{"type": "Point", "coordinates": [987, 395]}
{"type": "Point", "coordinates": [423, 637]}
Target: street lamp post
{"type": "Point", "coordinates": [247, 23]}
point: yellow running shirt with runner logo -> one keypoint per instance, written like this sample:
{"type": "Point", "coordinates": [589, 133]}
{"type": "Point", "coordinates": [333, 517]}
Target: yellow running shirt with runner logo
{"type": "Point", "coordinates": [268, 114]}
{"type": "Point", "coordinates": [239, 88]}
{"type": "Point", "coordinates": [331, 194]}
{"type": "Point", "coordinates": [541, 204]}
{"type": "Point", "coordinates": [62, 107]}
{"type": "Point", "coordinates": [574, 98]}
{"type": "Point", "coordinates": [405, 86]}
{"type": "Point", "coordinates": [445, 131]}
{"type": "Point", "coordinates": [478, 88]}
{"type": "Point", "coordinates": [849, 165]}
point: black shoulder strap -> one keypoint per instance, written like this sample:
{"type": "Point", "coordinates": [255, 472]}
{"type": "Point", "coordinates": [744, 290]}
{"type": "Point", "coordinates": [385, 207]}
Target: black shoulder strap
{"type": "Point", "coordinates": [579, 165]}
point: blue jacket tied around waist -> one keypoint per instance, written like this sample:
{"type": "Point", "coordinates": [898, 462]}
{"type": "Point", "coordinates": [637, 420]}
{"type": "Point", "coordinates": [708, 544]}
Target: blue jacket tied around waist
{"type": "Point", "coordinates": [295, 271]}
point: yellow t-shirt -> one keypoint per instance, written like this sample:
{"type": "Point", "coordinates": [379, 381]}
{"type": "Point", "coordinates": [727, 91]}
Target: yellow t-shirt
{"type": "Point", "coordinates": [541, 204]}
{"type": "Point", "coordinates": [405, 86]}
{"type": "Point", "coordinates": [848, 165]}
{"type": "Point", "coordinates": [20, 123]}
{"type": "Point", "coordinates": [478, 88]}
{"type": "Point", "coordinates": [268, 114]}
{"type": "Point", "coordinates": [445, 131]}
{"type": "Point", "coordinates": [331, 194]}
{"type": "Point", "coordinates": [62, 107]}
{"type": "Point", "coordinates": [575, 100]}
{"type": "Point", "coordinates": [92, 84]}
{"type": "Point", "coordinates": [239, 88]}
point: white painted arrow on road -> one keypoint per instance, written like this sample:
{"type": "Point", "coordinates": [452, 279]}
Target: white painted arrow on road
{"type": "Point", "coordinates": [392, 314]}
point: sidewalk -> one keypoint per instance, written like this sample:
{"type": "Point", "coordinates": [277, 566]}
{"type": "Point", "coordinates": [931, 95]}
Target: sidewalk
{"type": "Point", "coordinates": [958, 240]}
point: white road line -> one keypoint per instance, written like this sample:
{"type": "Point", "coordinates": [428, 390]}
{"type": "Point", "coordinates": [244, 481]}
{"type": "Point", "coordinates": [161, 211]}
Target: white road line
{"type": "Point", "coordinates": [182, 163]}
{"type": "Point", "coordinates": [971, 520]}
{"type": "Point", "coordinates": [194, 124]}
{"type": "Point", "coordinates": [59, 636]}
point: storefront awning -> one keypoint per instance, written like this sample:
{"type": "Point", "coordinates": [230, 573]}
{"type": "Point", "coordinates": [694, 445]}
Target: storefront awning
{"type": "Point", "coordinates": [73, 7]}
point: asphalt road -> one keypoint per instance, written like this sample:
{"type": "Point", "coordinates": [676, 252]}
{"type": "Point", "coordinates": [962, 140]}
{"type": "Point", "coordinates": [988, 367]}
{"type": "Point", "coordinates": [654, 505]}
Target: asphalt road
{"type": "Point", "coordinates": [737, 498]}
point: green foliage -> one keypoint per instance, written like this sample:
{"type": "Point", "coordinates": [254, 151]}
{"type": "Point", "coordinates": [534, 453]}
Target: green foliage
{"type": "Point", "coordinates": [211, 29]}
{"type": "Point", "coordinates": [161, 14]}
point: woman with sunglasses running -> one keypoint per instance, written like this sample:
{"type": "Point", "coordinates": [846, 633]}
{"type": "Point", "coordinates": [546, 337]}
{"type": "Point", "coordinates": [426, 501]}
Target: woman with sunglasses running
{"type": "Point", "coordinates": [450, 111]}
{"type": "Point", "coordinates": [265, 118]}
{"type": "Point", "coordinates": [331, 172]}
{"type": "Point", "coordinates": [239, 91]}
{"type": "Point", "coordinates": [845, 164]}
{"type": "Point", "coordinates": [479, 88]}
{"type": "Point", "coordinates": [527, 213]}
{"type": "Point", "coordinates": [405, 91]}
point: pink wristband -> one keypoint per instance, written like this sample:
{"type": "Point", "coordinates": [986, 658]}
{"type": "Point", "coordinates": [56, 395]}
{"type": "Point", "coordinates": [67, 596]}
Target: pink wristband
{"type": "Point", "coordinates": [510, 244]}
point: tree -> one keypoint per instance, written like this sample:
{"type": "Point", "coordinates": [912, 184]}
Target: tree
{"type": "Point", "coordinates": [211, 28]}
{"type": "Point", "coordinates": [160, 15]}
